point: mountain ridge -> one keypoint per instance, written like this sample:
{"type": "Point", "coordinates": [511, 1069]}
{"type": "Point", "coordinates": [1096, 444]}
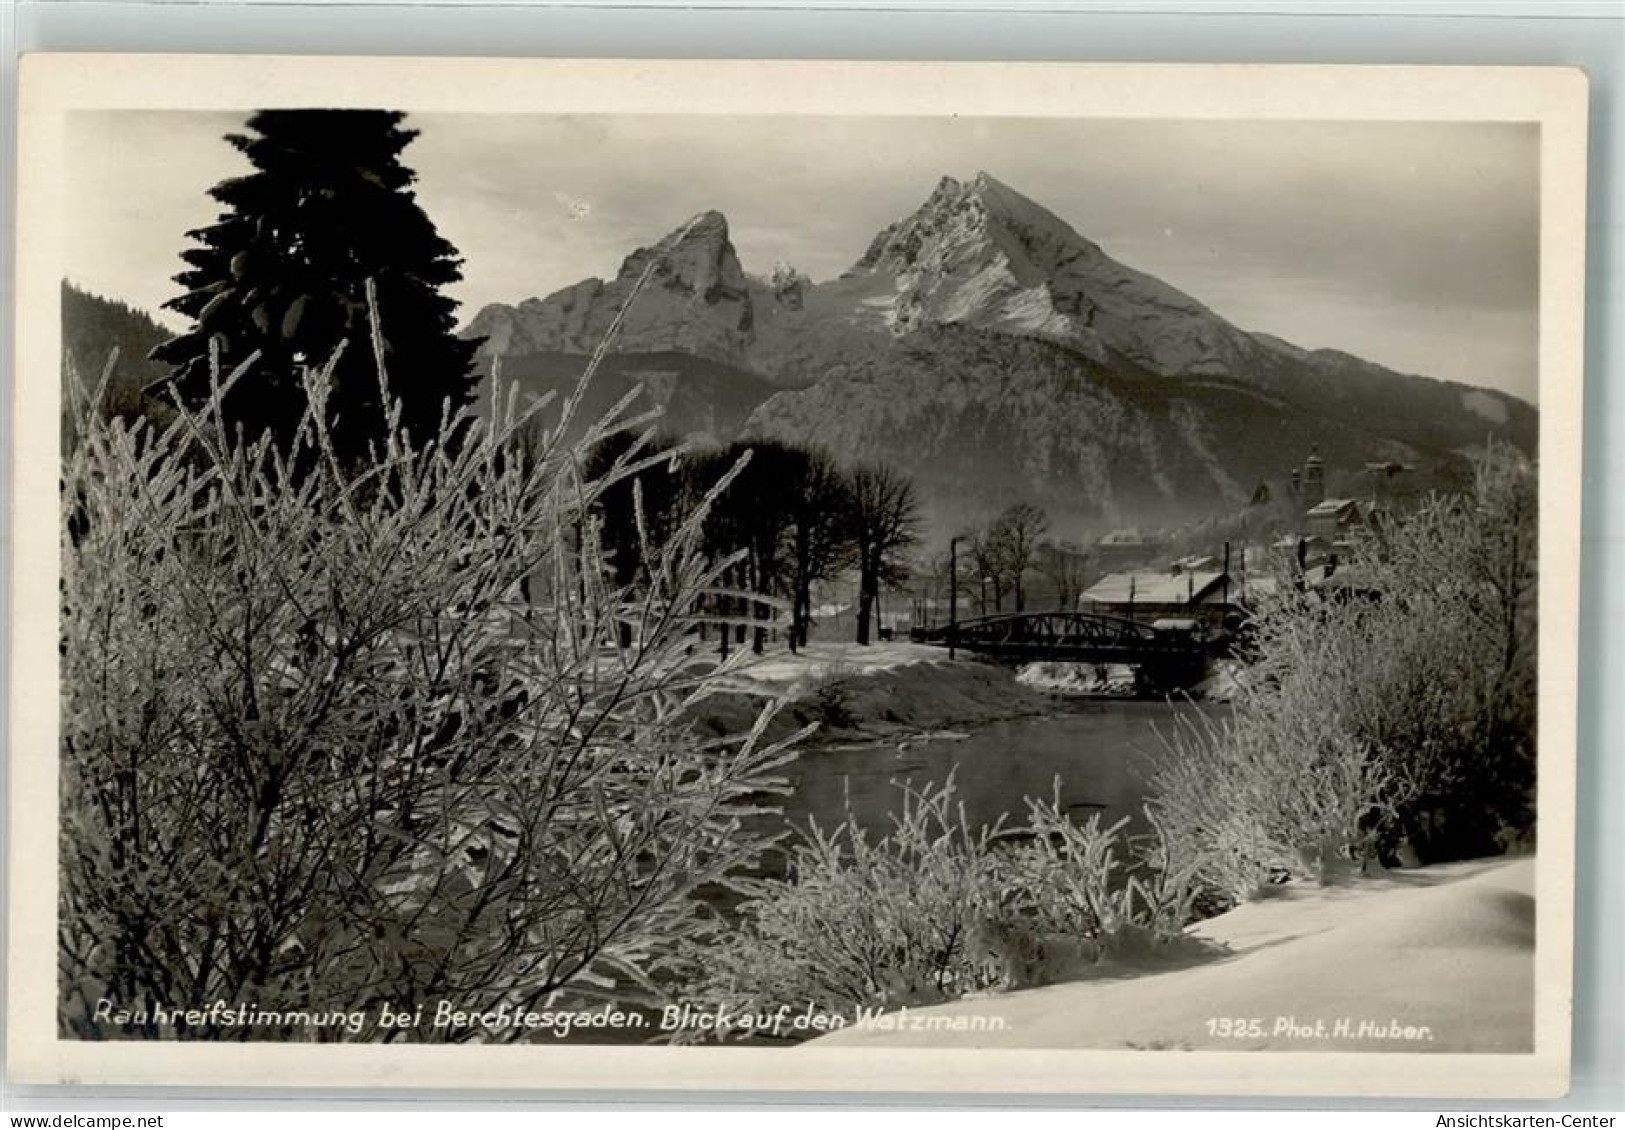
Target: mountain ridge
{"type": "Point", "coordinates": [106, 336]}
{"type": "Point", "coordinates": [988, 347]}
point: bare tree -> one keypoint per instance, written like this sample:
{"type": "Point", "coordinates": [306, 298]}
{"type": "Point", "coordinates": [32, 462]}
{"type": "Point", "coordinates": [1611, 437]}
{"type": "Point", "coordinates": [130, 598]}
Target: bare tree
{"type": "Point", "coordinates": [745, 526]}
{"type": "Point", "coordinates": [1065, 566]}
{"type": "Point", "coordinates": [821, 511]}
{"type": "Point", "coordinates": [991, 563]}
{"type": "Point", "coordinates": [885, 524]}
{"type": "Point", "coordinates": [638, 501]}
{"type": "Point", "coordinates": [788, 511]}
{"type": "Point", "coordinates": [1014, 537]}
{"type": "Point", "coordinates": [934, 579]}
{"type": "Point", "coordinates": [756, 513]}
{"type": "Point", "coordinates": [636, 507]}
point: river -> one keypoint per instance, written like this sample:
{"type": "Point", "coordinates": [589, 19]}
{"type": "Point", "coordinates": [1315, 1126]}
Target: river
{"type": "Point", "coordinates": [1101, 749]}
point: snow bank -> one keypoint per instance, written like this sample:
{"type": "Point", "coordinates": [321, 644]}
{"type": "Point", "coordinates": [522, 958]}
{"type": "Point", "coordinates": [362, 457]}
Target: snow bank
{"type": "Point", "coordinates": [1437, 959]}
{"type": "Point", "coordinates": [817, 661]}
{"type": "Point", "coordinates": [1078, 678]}
{"type": "Point", "coordinates": [884, 689]}
{"type": "Point", "coordinates": [1224, 682]}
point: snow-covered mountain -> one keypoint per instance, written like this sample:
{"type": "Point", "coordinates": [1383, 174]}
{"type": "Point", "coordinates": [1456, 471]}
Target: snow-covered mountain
{"type": "Point", "coordinates": [989, 349]}
{"type": "Point", "coordinates": [981, 254]}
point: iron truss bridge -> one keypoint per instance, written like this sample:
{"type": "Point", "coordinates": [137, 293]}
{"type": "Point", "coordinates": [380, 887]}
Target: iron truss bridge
{"type": "Point", "coordinates": [1077, 637]}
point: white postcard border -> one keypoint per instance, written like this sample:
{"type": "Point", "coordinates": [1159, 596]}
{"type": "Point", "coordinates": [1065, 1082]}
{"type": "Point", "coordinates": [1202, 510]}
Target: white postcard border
{"type": "Point", "coordinates": [54, 85]}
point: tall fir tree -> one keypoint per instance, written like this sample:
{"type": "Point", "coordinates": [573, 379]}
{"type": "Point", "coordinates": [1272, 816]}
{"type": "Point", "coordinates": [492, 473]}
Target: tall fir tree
{"type": "Point", "coordinates": [284, 273]}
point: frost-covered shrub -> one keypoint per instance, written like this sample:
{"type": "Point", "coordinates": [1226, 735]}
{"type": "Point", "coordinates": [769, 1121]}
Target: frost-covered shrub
{"type": "Point", "coordinates": [861, 921]}
{"type": "Point", "coordinates": [1093, 881]}
{"type": "Point", "coordinates": [336, 737]}
{"type": "Point", "coordinates": [1456, 725]}
{"type": "Point", "coordinates": [936, 909]}
{"type": "Point", "coordinates": [1397, 714]}
{"type": "Point", "coordinates": [1252, 799]}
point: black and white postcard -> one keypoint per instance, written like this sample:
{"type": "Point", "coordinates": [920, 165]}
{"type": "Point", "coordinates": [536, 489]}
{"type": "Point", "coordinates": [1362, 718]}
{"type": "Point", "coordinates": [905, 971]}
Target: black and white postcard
{"type": "Point", "coordinates": [828, 576]}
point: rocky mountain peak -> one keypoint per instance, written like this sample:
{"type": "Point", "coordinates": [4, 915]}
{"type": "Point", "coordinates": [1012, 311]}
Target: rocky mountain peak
{"type": "Point", "coordinates": [987, 347]}
{"type": "Point", "coordinates": [960, 219]}
{"type": "Point", "coordinates": [789, 286]}
{"type": "Point", "coordinates": [696, 301]}
{"type": "Point", "coordinates": [980, 253]}
{"type": "Point", "coordinates": [698, 257]}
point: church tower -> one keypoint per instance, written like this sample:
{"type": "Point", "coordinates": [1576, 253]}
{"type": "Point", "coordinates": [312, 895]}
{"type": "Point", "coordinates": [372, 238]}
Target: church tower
{"type": "Point", "coordinates": [1314, 479]}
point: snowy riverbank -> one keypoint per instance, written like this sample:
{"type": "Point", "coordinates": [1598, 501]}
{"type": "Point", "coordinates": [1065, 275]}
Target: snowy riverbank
{"type": "Point", "coordinates": [883, 690]}
{"type": "Point", "coordinates": [1436, 959]}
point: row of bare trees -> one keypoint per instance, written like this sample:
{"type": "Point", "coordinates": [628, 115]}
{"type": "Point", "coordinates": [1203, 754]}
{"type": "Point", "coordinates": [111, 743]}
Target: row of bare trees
{"type": "Point", "coordinates": [792, 513]}
{"type": "Point", "coordinates": [1007, 550]}
{"type": "Point", "coordinates": [1001, 561]}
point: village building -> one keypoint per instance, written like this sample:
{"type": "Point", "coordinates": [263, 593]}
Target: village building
{"type": "Point", "coordinates": [1331, 530]}
{"type": "Point", "coordinates": [1335, 518]}
{"type": "Point", "coordinates": [1301, 550]}
{"type": "Point", "coordinates": [1335, 580]}
{"type": "Point", "coordinates": [1122, 548]}
{"type": "Point", "coordinates": [1309, 484]}
{"type": "Point", "coordinates": [1388, 484]}
{"type": "Point", "coordinates": [1203, 597]}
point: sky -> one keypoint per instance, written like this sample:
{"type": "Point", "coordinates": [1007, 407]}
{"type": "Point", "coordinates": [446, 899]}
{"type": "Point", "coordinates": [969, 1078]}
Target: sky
{"type": "Point", "coordinates": [1414, 244]}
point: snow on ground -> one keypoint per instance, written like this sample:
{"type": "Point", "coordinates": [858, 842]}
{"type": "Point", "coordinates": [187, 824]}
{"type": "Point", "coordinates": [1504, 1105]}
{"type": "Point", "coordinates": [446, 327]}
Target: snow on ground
{"type": "Point", "coordinates": [883, 689]}
{"type": "Point", "coordinates": [817, 661]}
{"type": "Point", "coordinates": [1224, 683]}
{"type": "Point", "coordinates": [1436, 959]}
{"type": "Point", "coordinates": [1077, 678]}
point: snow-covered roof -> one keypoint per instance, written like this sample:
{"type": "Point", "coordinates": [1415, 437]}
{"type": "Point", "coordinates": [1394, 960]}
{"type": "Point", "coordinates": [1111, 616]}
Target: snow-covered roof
{"type": "Point", "coordinates": [1355, 577]}
{"type": "Point", "coordinates": [1155, 588]}
{"type": "Point", "coordinates": [1330, 507]}
{"type": "Point", "coordinates": [1123, 537]}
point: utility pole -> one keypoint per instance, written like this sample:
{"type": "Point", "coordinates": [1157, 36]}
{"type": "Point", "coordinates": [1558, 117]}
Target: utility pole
{"type": "Point", "coordinates": [953, 594]}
